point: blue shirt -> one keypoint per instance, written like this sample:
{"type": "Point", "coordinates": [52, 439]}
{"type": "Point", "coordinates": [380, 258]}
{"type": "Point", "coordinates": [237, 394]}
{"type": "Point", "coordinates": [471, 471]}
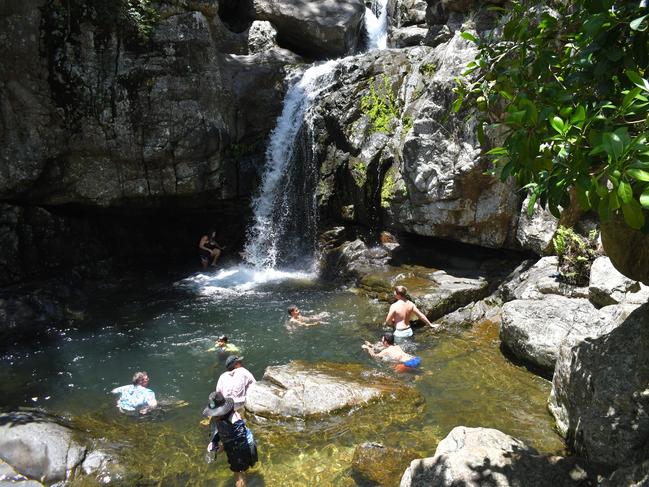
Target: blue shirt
{"type": "Point", "coordinates": [134, 398]}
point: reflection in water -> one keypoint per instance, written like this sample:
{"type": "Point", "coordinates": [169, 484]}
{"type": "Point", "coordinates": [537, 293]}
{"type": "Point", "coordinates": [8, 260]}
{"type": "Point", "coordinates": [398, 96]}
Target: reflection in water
{"type": "Point", "coordinates": [167, 329]}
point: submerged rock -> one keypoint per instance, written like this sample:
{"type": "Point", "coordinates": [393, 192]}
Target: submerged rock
{"type": "Point", "coordinates": [298, 391]}
{"type": "Point", "coordinates": [475, 457]}
{"type": "Point", "coordinates": [600, 394]}
{"type": "Point", "coordinates": [373, 462]}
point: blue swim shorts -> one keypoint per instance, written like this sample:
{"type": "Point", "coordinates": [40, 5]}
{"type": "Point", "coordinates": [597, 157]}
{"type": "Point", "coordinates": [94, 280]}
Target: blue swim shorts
{"type": "Point", "coordinates": [413, 362]}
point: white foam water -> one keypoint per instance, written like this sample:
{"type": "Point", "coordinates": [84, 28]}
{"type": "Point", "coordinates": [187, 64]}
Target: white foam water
{"type": "Point", "coordinates": [376, 26]}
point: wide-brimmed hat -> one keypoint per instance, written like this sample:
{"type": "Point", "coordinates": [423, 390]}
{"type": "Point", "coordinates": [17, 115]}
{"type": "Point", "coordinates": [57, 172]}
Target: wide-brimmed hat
{"type": "Point", "coordinates": [217, 405]}
{"type": "Point", "coordinates": [231, 360]}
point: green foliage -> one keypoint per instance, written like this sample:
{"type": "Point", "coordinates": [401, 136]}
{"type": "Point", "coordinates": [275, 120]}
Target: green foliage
{"type": "Point", "coordinates": [576, 255]}
{"type": "Point", "coordinates": [380, 106]}
{"type": "Point", "coordinates": [358, 169]}
{"type": "Point", "coordinates": [140, 15]}
{"type": "Point", "coordinates": [569, 91]}
{"type": "Point", "coordinates": [427, 69]}
{"type": "Point", "coordinates": [389, 187]}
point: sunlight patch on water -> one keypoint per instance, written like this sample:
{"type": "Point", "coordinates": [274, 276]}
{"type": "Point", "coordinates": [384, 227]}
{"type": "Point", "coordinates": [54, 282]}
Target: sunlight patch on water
{"type": "Point", "coordinates": [241, 279]}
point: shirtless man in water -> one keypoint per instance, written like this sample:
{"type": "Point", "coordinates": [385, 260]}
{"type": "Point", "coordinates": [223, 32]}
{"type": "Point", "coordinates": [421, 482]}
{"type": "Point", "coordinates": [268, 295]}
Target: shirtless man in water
{"type": "Point", "coordinates": [296, 317]}
{"type": "Point", "coordinates": [400, 311]}
{"type": "Point", "coordinates": [393, 353]}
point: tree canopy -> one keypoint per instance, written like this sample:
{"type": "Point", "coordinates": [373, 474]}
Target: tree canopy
{"type": "Point", "coordinates": [565, 88]}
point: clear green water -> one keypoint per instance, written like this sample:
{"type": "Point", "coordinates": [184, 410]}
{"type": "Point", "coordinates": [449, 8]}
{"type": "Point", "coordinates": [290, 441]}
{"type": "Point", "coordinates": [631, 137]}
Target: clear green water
{"type": "Point", "coordinates": [166, 328]}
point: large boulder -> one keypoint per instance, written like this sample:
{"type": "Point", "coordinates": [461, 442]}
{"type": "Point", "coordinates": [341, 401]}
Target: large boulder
{"type": "Point", "coordinates": [635, 476]}
{"type": "Point", "coordinates": [533, 330]}
{"type": "Point", "coordinates": [600, 397]}
{"type": "Point", "coordinates": [475, 457]}
{"type": "Point", "coordinates": [37, 447]}
{"type": "Point", "coordinates": [318, 29]}
{"type": "Point", "coordinates": [300, 391]}
{"type": "Point", "coordinates": [607, 286]}
{"type": "Point", "coordinates": [419, 168]}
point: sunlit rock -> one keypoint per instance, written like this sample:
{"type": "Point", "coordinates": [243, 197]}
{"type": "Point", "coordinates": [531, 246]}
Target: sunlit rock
{"type": "Point", "coordinates": [38, 448]}
{"type": "Point", "coordinates": [475, 457]}
{"type": "Point", "coordinates": [600, 393]}
{"type": "Point", "coordinates": [535, 232]}
{"type": "Point", "coordinates": [533, 330]}
{"type": "Point", "coordinates": [607, 285]}
{"type": "Point", "coordinates": [299, 391]}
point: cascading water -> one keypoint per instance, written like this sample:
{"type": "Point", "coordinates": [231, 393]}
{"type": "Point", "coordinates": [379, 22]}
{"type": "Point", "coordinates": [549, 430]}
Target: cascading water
{"type": "Point", "coordinates": [285, 212]}
{"type": "Point", "coordinates": [285, 216]}
{"type": "Point", "coordinates": [376, 25]}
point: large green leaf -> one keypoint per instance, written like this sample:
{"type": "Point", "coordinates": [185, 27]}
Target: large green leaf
{"type": "Point", "coordinates": [557, 124]}
{"type": "Point", "coordinates": [633, 215]}
{"type": "Point", "coordinates": [625, 192]}
{"type": "Point", "coordinates": [638, 174]}
{"type": "Point", "coordinates": [612, 144]}
{"type": "Point", "coordinates": [639, 23]}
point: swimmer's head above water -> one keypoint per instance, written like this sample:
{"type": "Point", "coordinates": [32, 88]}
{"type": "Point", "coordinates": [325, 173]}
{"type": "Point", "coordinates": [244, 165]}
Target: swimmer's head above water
{"type": "Point", "coordinates": [293, 310]}
{"type": "Point", "coordinates": [388, 338]}
{"type": "Point", "coordinates": [401, 292]}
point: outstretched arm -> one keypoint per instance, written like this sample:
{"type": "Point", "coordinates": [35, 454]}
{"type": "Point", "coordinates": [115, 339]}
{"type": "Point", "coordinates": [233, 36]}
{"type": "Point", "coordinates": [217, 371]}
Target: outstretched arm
{"type": "Point", "coordinates": [422, 316]}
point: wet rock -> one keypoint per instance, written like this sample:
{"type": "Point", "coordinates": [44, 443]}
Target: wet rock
{"type": "Point", "coordinates": [474, 457]}
{"type": "Point", "coordinates": [350, 260]}
{"type": "Point", "coordinates": [299, 391]}
{"type": "Point", "coordinates": [607, 285]}
{"type": "Point", "coordinates": [37, 447]}
{"type": "Point", "coordinates": [488, 309]}
{"type": "Point", "coordinates": [325, 29]}
{"type": "Point", "coordinates": [539, 281]}
{"type": "Point", "coordinates": [636, 475]}
{"type": "Point", "coordinates": [600, 395]}
{"type": "Point", "coordinates": [373, 462]}
{"type": "Point", "coordinates": [404, 13]}
{"type": "Point", "coordinates": [535, 329]}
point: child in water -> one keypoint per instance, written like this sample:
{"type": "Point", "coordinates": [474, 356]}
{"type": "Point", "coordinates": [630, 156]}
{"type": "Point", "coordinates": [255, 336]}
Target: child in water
{"type": "Point", "coordinates": [223, 347]}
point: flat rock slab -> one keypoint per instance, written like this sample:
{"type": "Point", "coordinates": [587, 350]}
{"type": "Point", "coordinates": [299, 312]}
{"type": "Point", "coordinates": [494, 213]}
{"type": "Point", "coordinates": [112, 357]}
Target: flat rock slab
{"type": "Point", "coordinates": [299, 390]}
{"type": "Point", "coordinates": [477, 457]}
{"type": "Point", "coordinates": [436, 292]}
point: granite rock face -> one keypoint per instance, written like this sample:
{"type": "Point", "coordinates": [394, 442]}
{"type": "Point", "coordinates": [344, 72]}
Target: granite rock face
{"type": "Point", "coordinates": [607, 286]}
{"type": "Point", "coordinates": [600, 397]}
{"type": "Point", "coordinates": [474, 457]}
{"type": "Point", "coordinates": [322, 29]}
{"type": "Point", "coordinates": [411, 172]}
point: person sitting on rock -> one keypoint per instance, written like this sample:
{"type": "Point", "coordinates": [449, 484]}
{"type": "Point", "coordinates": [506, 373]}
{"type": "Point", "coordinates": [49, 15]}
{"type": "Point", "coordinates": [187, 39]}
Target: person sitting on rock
{"type": "Point", "coordinates": [136, 397]}
{"type": "Point", "coordinates": [399, 315]}
{"type": "Point", "coordinates": [230, 433]}
{"type": "Point", "coordinates": [222, 346]}
{"type": "Point", "coordinates": [296, 318]}
{"type": "Point", "coordinates": [393, 353]}
{"type": "Point", "coordinates": [235, 382]}
{"type": "Point", "coordinates": [209, 249]}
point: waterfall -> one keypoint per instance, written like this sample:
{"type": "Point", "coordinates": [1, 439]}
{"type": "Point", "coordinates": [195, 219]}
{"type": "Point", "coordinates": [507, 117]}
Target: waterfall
{"type": "Point", "coordinates": [376, 24]}
{"type": "Point", "coordinates": [284, 227]}
{"type": "Point", "coordinates": [285, 216]}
